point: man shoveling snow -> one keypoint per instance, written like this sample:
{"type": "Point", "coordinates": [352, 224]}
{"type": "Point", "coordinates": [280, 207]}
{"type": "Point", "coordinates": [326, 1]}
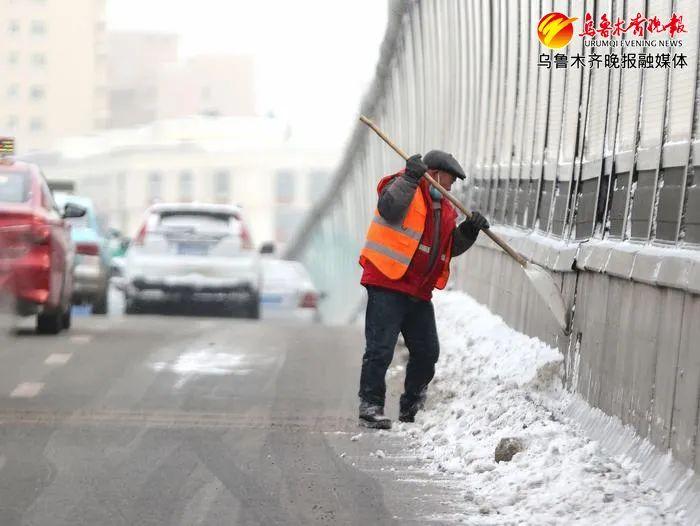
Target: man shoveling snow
{"type": "Point", "coordinates": [407, 253]}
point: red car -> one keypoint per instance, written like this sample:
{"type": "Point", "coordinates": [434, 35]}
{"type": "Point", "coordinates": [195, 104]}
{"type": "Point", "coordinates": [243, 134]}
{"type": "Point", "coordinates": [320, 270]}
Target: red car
{"type": "Point", "coordinates": [36, 252]}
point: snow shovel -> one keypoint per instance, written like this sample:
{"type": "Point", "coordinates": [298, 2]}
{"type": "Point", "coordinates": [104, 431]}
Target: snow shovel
{"type": "Point", "coordinates": [538, 276]}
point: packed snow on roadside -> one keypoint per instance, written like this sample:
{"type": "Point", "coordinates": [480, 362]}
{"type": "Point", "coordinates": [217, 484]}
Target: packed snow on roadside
{"type": "Point", "coordinates": [492, 383]}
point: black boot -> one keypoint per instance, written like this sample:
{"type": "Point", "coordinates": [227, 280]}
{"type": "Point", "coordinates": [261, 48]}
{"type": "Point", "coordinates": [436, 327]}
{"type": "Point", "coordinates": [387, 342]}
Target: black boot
{"type": "Point", "coordinates": [372, 415]}
{"type": "Point", "coordinates": [409, 406]}
{"type": "Point", "coordinates": [407, 415]}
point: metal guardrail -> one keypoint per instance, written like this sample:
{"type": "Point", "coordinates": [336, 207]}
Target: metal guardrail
{"type": "Point", "coordinates": [571, 154]}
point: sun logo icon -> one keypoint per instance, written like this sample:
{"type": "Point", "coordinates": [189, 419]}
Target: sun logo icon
{"type": "Point", "coordinates": [555, 30]}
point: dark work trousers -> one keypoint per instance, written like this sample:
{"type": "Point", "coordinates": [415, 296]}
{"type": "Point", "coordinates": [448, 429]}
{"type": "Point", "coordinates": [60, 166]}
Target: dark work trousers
{"type": "Point", "coordinates": [388, 313]}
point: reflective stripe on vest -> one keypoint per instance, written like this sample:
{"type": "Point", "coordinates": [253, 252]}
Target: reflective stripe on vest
{"type": "Point", "coordinates": [381, 249]}
{"type": "Point", "coordinates": [390, 246]}
{"type": "Point", "coordinates": [413, 234]}
{"type": "Point", "coordinates": [426, 249]}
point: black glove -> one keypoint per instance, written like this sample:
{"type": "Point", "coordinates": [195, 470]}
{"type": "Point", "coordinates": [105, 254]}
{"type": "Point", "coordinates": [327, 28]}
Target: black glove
{"type": "Point", "coordinates": [470, 227]}
{"type": "Point", "coordinates": [415, 167]}
{"type": "Point", "coordinates": [478, 221]}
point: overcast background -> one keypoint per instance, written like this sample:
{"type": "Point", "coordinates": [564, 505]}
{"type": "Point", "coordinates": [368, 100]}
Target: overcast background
{"type": "Point", "coordinates": [314, 58]}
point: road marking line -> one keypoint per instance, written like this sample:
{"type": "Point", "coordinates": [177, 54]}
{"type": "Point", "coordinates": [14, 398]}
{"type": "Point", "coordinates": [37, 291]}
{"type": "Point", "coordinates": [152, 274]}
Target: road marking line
{"type": "Point", "coordinates": [27, 390]}
{"type": "Point", "coordinates": [58, 358]}
{"type": "Point", "coordinates": [81, 338]}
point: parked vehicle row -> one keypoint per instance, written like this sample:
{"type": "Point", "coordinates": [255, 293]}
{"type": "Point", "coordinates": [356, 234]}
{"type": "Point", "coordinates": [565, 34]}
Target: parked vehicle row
{"type": "Point", "coordinates": [55, 254]}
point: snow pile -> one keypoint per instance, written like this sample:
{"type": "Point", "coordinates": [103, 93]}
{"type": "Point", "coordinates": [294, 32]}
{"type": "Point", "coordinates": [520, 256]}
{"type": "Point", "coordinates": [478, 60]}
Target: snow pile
{"type": "Point", "coordinates": [493, 383]}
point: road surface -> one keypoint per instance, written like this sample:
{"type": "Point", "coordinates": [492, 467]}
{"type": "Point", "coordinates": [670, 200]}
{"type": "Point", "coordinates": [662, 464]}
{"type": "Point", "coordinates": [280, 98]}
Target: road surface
{"type": "Point", "coordinates": [186, 420]}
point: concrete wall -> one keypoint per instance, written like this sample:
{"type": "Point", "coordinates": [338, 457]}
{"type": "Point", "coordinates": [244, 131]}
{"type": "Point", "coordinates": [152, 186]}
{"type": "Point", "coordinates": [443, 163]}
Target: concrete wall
{"type": "Point", "coordinates": [633, 350]}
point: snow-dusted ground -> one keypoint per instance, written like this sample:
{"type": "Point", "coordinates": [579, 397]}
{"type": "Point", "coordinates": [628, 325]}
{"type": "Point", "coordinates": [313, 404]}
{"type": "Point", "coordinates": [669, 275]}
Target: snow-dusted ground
{"type": "Point", "coordinates": [493, 382]}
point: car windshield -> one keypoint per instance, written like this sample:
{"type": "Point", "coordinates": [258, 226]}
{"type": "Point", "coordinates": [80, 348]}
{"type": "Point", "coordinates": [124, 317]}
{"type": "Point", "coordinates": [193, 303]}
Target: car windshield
{"type": "Point", "coordinates": [14, 187]}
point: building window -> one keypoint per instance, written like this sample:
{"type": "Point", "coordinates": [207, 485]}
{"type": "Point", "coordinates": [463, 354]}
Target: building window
{"type": "Point", "coordinates": [38, 27]}
{"type": "Point", "coordinates": [155, 183]}
{"type": "Point", "coordinates": [186, 187]}
{"type": "Point", "coordinates": [284, 186]}
{"type": "Point", "coordinates": [13, 58]}
{"type": "Point", "coordinates": [36, 124]}
{"type": "Point", "coordinates": [12, 91]}
{"type": "Point", "coordinates": [13, 27]}
{"type": "Point", "coordinates": [222, 186]}
{"type": "Point", "coordinates": [12, 122]}
{"type": "Point", "coordinates": [37, 93]}
{"type": "Point", "coordinates": [39, 60]}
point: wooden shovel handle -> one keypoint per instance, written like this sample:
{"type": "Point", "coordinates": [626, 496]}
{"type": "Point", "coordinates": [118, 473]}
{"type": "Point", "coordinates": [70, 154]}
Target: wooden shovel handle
{"type": "Point", "coordinates": [452, 199]}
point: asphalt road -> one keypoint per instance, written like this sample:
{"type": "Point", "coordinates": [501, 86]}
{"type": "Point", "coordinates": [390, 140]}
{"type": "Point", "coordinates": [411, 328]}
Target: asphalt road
{"type": "Point", "coordinates": [155, 420]}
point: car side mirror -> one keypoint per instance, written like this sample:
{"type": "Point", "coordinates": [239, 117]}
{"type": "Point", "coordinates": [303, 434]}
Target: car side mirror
{"type": "Point", "coordinates": [267, 248]}
{"type": "Point", "coordinates": [322, 295]}
{"type": "Point", "coordinates": [72, 210]}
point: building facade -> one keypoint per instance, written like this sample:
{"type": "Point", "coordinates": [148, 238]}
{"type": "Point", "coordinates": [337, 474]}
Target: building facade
{"type": "Point", "coordinates": [52, 70]}
{"type": "Point", "coordinates": [135, 60]}
{"type": "Point", "coordinates": [149, 81]}
{"type": "Point", "coordinates": [251, 162]}
{"type": "Point", "coordinates": [214, 85]}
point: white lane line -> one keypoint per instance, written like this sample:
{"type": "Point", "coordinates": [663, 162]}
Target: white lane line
{"type": "Point", "coordinates": [27, 390]}
{"type": "Point", "coordinates": [81, 338]}
{"type": "Point", "coordinates": [58, 358]}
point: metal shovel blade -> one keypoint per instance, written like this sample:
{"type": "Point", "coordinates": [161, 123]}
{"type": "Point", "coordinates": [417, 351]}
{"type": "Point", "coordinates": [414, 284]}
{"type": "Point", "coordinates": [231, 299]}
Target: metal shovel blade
{"type": "Point", "coordinates": [547, 289]}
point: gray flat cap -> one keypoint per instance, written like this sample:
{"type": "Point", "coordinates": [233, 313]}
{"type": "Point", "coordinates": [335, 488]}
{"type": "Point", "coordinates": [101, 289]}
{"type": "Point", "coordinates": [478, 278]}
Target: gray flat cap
{"type": "Point", "coordinates": [439, 160]}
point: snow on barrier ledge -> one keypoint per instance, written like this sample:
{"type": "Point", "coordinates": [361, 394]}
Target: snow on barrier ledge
{"type": "Point", "coordinates": [492, 383]}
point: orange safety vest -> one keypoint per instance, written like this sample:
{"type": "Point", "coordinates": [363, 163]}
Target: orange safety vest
{"type": "Point", "coordinates": [391, 246]}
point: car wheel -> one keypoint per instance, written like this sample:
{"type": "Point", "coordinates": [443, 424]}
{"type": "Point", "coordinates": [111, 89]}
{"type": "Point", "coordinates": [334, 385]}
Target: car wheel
{"type": "Point", "coordinates": [66, 318]}
{"type": "Point", "coordinates": [133, 306]}
{"type": "Point", "coordinates": [253, 308]}
{"type": "Point", "coordinates": [100, 306]}
{"type": "Point", "coordinates": [49, 322]}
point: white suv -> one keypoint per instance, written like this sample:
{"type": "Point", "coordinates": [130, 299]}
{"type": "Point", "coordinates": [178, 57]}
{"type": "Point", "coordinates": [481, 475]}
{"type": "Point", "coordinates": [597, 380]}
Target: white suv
{"type": "Point", "coordinates": [191, 253]}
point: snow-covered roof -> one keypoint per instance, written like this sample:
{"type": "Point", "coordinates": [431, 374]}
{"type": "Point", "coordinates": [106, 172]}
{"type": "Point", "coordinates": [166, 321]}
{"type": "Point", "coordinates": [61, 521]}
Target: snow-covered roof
{"type": "Point", "coordinates": [210, 208]}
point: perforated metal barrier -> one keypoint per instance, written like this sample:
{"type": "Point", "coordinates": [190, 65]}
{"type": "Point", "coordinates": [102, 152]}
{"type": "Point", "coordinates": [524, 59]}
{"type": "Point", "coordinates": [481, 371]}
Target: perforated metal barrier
{"type": "Point", "coordinates": [572, 153]}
